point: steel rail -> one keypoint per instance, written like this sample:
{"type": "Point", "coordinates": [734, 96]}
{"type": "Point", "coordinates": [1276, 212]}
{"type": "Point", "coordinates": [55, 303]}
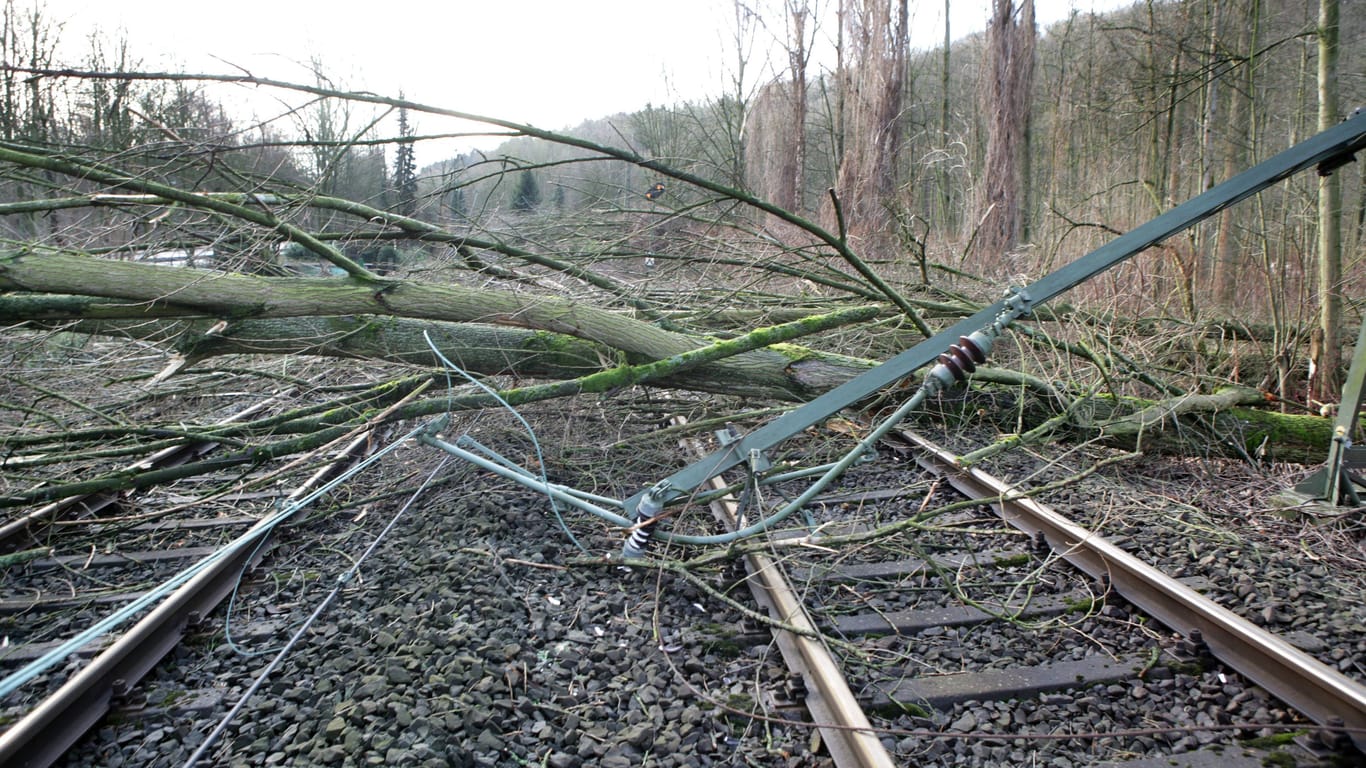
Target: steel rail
{"type": "Point", "coordinates": [47, 731]}
{"type": "Point", "coordinates": [835, 710]}
{"type": "Point", "coordinates": [1329, 698]}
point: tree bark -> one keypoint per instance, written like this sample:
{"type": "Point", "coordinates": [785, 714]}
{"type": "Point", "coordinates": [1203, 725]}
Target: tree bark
{"type": "Point", "coordinates": [1008, 83]}
{"type": "Point", "coordinates": [788, 373]}
{"type": "Point", "coordinates": [235, 297]}
{"type": "Point", "coordinates": [1229, 258]}
{"type": "Point", "coordinates": [875, 83]}
{"type": "Point", "coordinates": [793, 165]}
{"type": "Point", "coordinates": [1326, 365]}
{"type": "Point", "coordinates": [1223, 424]}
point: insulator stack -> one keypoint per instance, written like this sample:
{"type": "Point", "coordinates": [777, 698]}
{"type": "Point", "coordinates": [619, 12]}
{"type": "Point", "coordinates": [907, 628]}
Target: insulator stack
{"type": "Point", "coordinates": [964, 357]}
{"type": "Point", "coordinates": [647, 519]}
{"type": "Point", "coordinates": [638, 543]}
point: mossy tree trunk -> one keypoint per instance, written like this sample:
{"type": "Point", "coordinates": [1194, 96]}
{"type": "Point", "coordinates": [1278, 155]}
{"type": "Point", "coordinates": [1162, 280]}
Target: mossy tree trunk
{"type": "Point", "coordinates": [536, 336]}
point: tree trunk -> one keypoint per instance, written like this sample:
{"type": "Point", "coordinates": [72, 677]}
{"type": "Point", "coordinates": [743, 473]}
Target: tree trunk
{"type": "Point", "coordinates": [232, 296]}
{"type": "Point", "coordinates": [794, 168]}
{"type": "Point", "coordinates": [543, 336]}
{"type": "Point", "coordinates": [943, 195]}
{"type": "Point", "coordinates": [875, 81]}
{"type": "Point", "coordinates": [1007, 84]}
{"type": "Point", "coordinates": [1220, 424]}
{"type": "Point", "coordinates": [1211, 115]}
{"type": "Point", "coordinates": [331, 305]}
{"type": "Point", "coordinates": [1326, 373]}
{"type": "Point", "coordinates": [1228, 257]}
{"type": "Point", "coordinates": [792, 374]}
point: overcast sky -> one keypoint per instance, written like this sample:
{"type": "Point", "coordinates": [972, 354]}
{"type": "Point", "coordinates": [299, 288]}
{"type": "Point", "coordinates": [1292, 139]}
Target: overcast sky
{"type": "Point", "coordinates": [550, 63]}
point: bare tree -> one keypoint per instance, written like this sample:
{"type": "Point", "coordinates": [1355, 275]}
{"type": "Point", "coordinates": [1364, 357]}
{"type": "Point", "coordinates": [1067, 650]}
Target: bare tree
{"type": "Point", "coordinates": [799, 17]}
{"type": "Point", "coordinates": [873, 88]}
{"type": "Point", "coordinates": [1228, 258]}
{"type": "Point", "coordinates": [775, 150]}
{"type": "Point", "coordinates": [542, 317]}
{"type": "Point", "coordinates": [1006, 87]}
{"type": "Point", "coordinates": [1326, 364]}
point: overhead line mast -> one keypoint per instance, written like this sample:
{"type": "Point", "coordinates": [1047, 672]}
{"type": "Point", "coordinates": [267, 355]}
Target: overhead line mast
{"type": "Point", "coordinates": [1326, 151]}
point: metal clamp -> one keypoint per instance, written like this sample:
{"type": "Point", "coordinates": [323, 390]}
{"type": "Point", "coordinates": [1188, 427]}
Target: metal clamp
{"type": "Point", "coordinates": [647, 517]}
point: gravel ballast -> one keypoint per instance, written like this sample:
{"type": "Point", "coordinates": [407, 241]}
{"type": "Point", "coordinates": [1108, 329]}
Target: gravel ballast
{"type": "Point", "coordinates": [477, 634]}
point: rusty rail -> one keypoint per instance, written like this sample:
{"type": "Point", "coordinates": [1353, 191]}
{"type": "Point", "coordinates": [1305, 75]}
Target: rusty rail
{"type": "Point", "coordinates": [835, 710]}
{"type": "Point", "coordinates": [1329, 698]}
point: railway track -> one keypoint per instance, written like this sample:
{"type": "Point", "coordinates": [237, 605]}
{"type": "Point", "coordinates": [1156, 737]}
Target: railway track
{"type": "Point", "coordinates": [1334, 701]}
{"type": "Point", "coordinates": [843, 725]}
{"type": "Point", "coordinates": [31, 528]}
{"type": "Point", "coordinates": [1019, 583]}
{"type": "Point", "coordinates": [958, 641]}
{"type": "Point", "coordinates": [167, 590]}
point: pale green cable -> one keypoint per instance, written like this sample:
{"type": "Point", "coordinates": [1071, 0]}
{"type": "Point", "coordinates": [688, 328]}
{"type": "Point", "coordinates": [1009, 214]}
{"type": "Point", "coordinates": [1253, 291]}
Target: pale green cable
{"type": "Point", "coordinates": [540, 459]}
{"type": "Point", "coordinates": [104, 626]}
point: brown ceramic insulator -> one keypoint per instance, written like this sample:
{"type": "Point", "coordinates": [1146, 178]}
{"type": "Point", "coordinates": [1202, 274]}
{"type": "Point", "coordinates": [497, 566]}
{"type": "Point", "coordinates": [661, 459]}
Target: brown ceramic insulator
{"type": "Point", "coordinates": [951, 363]}
{"type": "Point", "coordinates": [964, 358]}
{"type": "Point", "coordinates": [978, 354]}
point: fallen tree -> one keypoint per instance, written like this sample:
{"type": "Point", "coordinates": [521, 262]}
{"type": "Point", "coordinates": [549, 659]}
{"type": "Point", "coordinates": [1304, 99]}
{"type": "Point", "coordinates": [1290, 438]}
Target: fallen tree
{"type": "Point", "coordinates": [1233, 422]}
{"type": "Point", "coordinates": [346, 319]}
{"type": "Point", "coordinates": [542, 318]}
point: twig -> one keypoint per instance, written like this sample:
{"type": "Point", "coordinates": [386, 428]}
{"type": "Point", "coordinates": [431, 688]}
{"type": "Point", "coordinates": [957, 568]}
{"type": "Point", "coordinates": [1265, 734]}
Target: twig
{"type": "Point", "coordinates": [842, 248]}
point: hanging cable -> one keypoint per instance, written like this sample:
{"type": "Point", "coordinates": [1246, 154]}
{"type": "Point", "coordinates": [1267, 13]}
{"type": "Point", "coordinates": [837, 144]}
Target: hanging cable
{"type": "Point", "coordinates": [250, 538]}
{"type": "Point", "coordinates": [952, 367]}
{"type": "Point", "coordinates": [342, 581]}
{"type": "Point", "coordinates": [540, 459]}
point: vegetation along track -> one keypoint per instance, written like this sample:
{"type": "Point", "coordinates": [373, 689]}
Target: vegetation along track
{"type": "Point", "coordinates": [978, 644]}
{"type": "Point", "coordinates": [68, 611]}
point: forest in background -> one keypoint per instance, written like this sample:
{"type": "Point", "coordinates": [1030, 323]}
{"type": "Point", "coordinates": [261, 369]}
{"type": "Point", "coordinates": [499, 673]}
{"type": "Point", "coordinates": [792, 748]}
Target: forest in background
{"type": "Point", "coordinates": [893, 191]}
{"type": "Point", "coordinates": [1131, 113]}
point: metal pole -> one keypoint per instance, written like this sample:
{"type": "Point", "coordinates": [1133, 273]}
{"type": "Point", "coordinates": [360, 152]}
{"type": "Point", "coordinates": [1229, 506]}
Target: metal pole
{"type": "Point", "coordinates": [1331, 483]}
{"type": "Point", "coordinates": [1329, 148]}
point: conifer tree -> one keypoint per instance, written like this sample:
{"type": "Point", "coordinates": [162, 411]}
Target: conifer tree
{"type": "Point", "coordinates": [405, 168]}
{"type": "Point", "coordinates": [528, 195]}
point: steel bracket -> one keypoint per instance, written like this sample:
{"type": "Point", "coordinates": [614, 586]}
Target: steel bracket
{"type": "Point", "coordinates": [1337, 482]}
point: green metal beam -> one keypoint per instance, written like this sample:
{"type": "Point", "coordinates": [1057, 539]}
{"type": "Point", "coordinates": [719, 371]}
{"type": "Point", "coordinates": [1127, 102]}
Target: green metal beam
{"type": "Point", "coordinates": [1331, 484]}
{"type": "Point", "coordinates": [1328, 150]}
